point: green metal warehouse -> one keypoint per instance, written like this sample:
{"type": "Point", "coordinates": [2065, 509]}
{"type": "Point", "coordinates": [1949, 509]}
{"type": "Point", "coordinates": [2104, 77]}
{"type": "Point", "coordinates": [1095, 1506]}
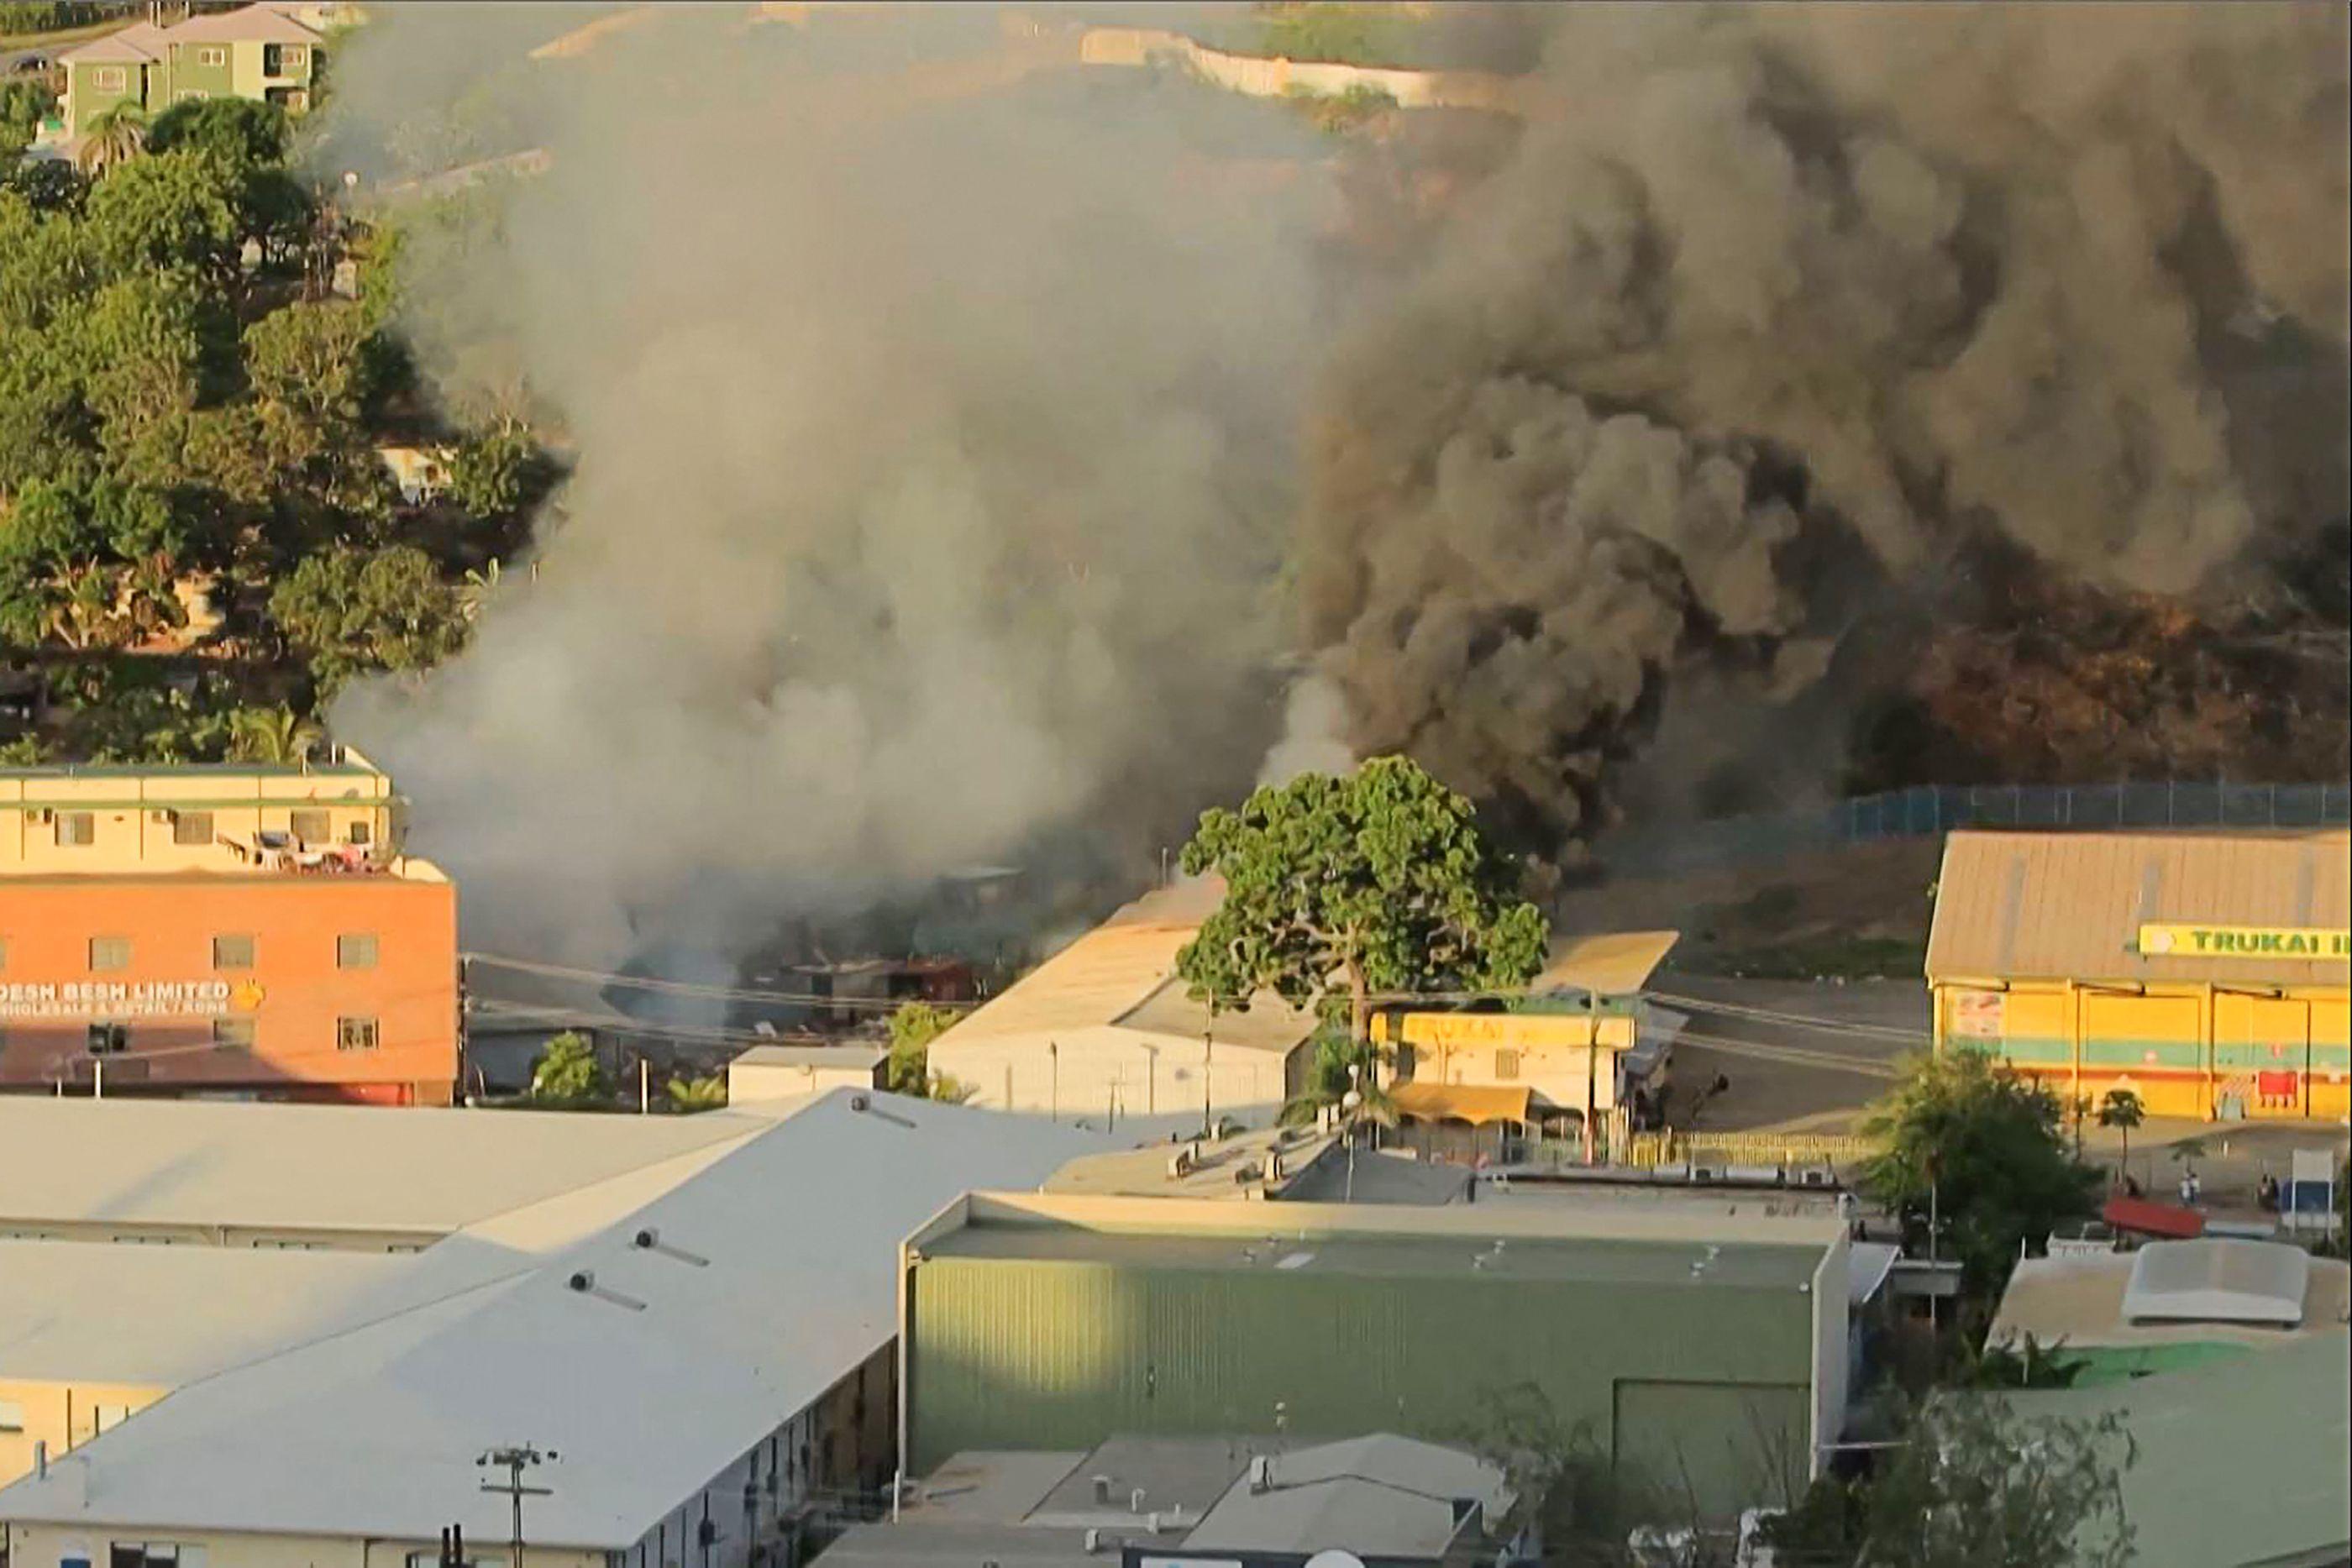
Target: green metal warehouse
{"type": "Point", "coordinates": [1704, 1352]}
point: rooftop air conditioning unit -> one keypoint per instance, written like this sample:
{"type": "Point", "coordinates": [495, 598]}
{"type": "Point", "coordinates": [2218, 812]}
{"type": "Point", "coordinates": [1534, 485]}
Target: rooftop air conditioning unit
{"type": "Point", "coordinates": [1093, 1541]}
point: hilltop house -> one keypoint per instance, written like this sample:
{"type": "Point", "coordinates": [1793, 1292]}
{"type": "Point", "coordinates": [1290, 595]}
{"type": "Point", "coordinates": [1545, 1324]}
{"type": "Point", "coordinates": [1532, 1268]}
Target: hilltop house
{"type": "Point", "coordinates": [260, 52]}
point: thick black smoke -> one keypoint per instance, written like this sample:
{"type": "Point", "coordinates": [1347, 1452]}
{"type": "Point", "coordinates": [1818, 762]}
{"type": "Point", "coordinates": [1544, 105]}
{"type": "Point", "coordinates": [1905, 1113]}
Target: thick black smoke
{"type": "Point", "coordinates": [1773, 308]}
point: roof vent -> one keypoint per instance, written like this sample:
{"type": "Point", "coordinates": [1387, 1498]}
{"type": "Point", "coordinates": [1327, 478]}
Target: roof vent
{"type": "Point", "coordinates": [1261, 1472]}
{"type": "Point", "coordinates": [1093, 1541]}
{"type": "Point", "coordinates": [583, 1281]}
{"type": "Point", "coordinates": [1102, 1488]}
{"type": "Point", "coordinates": [1135, 1501]}
{"type": "Point", "coordinates": [649, 1240]}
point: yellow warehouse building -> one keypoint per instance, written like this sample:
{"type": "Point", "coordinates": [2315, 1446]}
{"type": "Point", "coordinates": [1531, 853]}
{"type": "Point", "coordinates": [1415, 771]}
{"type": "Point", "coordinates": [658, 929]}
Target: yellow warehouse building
{"type": "Point", "coordinates": [2206, 972]}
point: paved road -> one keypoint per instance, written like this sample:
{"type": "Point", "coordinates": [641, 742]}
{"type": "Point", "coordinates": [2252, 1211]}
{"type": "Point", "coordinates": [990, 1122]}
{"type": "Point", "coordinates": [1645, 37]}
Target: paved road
{"type": "Point", "coordinates": [1795, 1051]}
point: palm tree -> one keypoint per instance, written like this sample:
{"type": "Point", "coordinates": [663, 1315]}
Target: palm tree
{"type": "Point", "coordinates": [275, 734]}
{"type": "Point", "coordinates": [116, 136]}
{"type": "Point", "coordinates": [687, 1095]}
{"type": "Point", "coordinates": [2121, 1109]}
{"type": "Point", "coordinates": [1344, 1076]}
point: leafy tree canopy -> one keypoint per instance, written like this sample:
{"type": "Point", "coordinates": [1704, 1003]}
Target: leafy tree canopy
{"type": "Point", "coordinates": [1379, 883]}
{"type": "Point", "coordinates": [1990, 1145]}
{"type": "Point", "coordinates": [352, 611]}
{"type": "Point", "coordinates": [177, 210]}
{"type": "Point", "coordinates": [233, 128]}
{"type": "Point", "coordinates": [568, 1073]}
{"type": "Point", "coordinates": [908, 1070]}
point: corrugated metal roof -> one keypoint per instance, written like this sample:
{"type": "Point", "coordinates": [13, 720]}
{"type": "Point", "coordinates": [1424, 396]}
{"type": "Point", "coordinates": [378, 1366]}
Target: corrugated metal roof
{"type": "Point", "coordinates": [1615, 962]}
{"type": "Point", "coordinates": [2080, 1301]}
{"type": "Point", "coordinates": [2060, 906]}
{"type": "Point", "coordinates": [371, 1431]}
{"type": "Point", "coordinates": [2245, 1462]}
{"type": "Point", "coordinates": [1121, 974]}
{"type": "Point", "coordinates": [135, 1163]}
{"type": "Point", "coordinates": [2219, 1280]}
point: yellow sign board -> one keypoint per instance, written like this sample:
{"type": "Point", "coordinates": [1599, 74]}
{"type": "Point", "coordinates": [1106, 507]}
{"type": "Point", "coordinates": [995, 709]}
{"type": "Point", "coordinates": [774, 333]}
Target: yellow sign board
{"type": "Point", "coordinates": [2245, 942]}
{"type": "Point", "coordinates": [1455, 1031]}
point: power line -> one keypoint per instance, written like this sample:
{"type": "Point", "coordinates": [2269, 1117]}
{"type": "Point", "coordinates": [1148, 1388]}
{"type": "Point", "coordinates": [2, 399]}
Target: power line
{"type": "Point", "coordinates": [691, 988]}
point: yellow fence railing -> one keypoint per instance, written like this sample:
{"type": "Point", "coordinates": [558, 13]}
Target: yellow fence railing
{"type": "Point", "coordinates": [1649, 1150]}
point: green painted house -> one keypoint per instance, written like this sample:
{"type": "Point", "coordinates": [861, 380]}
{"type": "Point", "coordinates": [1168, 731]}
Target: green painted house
{"type": "Point", "coordinates": [263, 52]}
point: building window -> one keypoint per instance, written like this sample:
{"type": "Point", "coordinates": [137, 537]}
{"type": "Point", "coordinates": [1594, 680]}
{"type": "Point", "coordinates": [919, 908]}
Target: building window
{"type": "Point", "coordinates": [109, 1038]}
{"type": "Point", "coordinates": [151, 1553]}
{"type": "Point", "coordinates": [233, 1034]}
{"type": "Point", "coordinates": [233, 952]}
{"type": "Point", "coordinates": [310, 825]}
{"type": "Point", "coordinates": [108, 953]}
{"type": "Point", "coordinates": [190, 95]}
{"type": "Point", "coordinates": [212, 55]}
{"type": "Point", "coordinates": [359, 831]}
{"type": "Point", "coordinates": [1507, 1064]}
{"type": "Point", "coordinates": [356, 1034]}
{"type": "Point", "coordinates": [355, 950]}
{"type": "Point", "coordinates": [107, 79]}
{"type": "Point", "coordinates": [12, 1416]}
{"type": "Point", "coordinates": [77, 828]}
{"type": "Point", "coordinates": [192, 827]}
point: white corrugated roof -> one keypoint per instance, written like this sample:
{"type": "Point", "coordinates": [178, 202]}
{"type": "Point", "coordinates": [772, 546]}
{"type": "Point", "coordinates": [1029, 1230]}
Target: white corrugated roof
{"type": "Point", "coordinates": [373, 1430]}
{"type": "Point", "coordinates": [1380, 1495]}
{"type": "Point", "coordinates": [90, 1312]}
{"type": "Point", "coordinates": [1122, 975]}
{"type": "Point", "coordinates": [324, 1167]}
{"type": "Point", "coordinates": [2218, 1279]}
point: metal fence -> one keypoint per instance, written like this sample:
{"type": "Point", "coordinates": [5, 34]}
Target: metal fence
{"type": "Point", "coordinates": [1931, 809]}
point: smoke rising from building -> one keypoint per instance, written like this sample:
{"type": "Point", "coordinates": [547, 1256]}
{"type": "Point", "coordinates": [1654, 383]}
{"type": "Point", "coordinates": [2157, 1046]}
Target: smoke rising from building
{"type": "Point", "coordinates": [1773, 308]}
{"type": "Point", "coordinates": [933, 435]}
{"type": "Point", "coordinates": [963, 435]}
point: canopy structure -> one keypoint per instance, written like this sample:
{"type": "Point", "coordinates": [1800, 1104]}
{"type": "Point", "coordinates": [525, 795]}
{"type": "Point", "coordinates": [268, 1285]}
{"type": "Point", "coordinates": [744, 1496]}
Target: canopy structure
{"type": "Point", "coordinates": [1477, 1103]}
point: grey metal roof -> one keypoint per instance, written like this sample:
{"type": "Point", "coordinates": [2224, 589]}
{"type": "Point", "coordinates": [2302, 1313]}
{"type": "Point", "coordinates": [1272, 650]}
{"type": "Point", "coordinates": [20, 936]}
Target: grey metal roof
{"type": "Point", "coordinates": [2240, 1463]}
{"type": "Point", "coordinates": [2218, 1279]}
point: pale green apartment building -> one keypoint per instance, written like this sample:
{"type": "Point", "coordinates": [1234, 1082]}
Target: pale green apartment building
{"type": "Point", "coordinates": [266, 52]}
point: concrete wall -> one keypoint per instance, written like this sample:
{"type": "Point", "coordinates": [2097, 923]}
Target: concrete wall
{"type": "Point", "coordinates": [2191, 1051]}
{"type": "Point", "coordinates": [47, 1545]}
{"type": "Point", "coordinates": [136, 820]}
{"type": "Point", "coordinates": [1080, 1074]}
{"type": "Point", "coordinates": [175, 995]}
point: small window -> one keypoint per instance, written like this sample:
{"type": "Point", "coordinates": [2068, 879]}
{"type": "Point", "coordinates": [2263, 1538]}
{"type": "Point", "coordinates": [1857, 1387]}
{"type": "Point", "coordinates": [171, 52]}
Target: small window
{"type": "Point", "coordinates": [192, 827]}
{"type": "Point", "coordinates": [107, 79]}
{"type": "Point", "coordinates": [1507, 1064]}
{"type": "Point", "coordinates": [359, 832]}
{"type": "Point", "coordinates": [290, 56]}
{"type": "Point", "coordinates": [356, 1034]}
{"type": "Point", "coordinates": [310, 825]}
{"type": "Point", "coordinates": [355, 950]}
{"type": "Point", "coordinates": [233, 1034]}
{"type": "Point", "coordinates": [232, 952]}
{"type": "Point", "coordinates": [12, 1416]}
{"type": "Point", "coordinates": [79, 829]}
{"type": "Point", "coordinates": [212, 55]}
{"type": "Point", "coordinates": [109, 1038]}
{"type": "Point", "coordinates": [109, 953]}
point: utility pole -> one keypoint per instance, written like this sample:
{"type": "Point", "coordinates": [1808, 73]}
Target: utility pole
{"type": "Point", "coordinates": [464, 1006]}
{"type": "Point", "coordinates": [1209, 1074]}
{"type": "Point", "coordinates": [514, 1459]}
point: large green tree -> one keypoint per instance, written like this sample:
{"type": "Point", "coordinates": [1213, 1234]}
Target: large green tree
{"type": "Point", "coordinates": [1989, 1148]}
{"type": "Point", "coordinates": [352, 611]}
{"type": "Point", "coordinates": [1377, 884]}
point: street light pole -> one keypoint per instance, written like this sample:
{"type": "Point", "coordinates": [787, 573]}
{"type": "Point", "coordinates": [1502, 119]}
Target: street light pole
{"type": "Point", "coordinates": [515, 1459]}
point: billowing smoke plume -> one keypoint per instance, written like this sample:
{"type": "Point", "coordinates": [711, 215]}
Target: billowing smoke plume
{"type": "Point", "coordinates": [1773, 306]}
{"type": "Point", "coordinates": [933, 403]}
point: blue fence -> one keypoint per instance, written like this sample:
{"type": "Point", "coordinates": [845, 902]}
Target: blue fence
{"type": "Point", "coordinates": [1931, 809]}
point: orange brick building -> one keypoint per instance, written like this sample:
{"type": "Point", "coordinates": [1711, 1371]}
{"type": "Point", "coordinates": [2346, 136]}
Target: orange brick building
{"type": "Point", "coordinates": [250, 930]}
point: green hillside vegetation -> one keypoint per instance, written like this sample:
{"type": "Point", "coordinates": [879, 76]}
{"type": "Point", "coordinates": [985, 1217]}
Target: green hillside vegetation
{"type": "Point", "coordinates": [195, 524]}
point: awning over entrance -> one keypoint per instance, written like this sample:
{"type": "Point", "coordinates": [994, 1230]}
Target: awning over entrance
{"type": "Point", "coordinates": [1477, 1103]}
{"type": "Point", "coordinates": [2149, 1217]}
